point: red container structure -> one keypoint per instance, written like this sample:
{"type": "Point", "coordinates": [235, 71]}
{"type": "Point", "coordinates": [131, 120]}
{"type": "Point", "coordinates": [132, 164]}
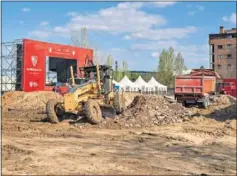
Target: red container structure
{"type": "Point", "coordinates": [227, 86]}
{"type": "Point", "coordinates": [32, 65]}
{"type": "Point", "coordinates": [194, 89]}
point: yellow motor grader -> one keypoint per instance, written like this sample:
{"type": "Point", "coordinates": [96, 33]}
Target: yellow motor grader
{"type": "Point", "coordinates": [92, 97]}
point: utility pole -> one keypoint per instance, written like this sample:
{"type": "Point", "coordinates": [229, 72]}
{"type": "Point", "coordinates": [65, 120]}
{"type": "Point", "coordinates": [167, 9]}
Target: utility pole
{"type": "Point", "coordinates": [116, 70]}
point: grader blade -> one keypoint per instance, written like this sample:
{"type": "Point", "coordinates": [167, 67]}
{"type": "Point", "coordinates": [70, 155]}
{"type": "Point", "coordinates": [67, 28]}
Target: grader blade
{"type": "Point", "coordinates": [108, 111]}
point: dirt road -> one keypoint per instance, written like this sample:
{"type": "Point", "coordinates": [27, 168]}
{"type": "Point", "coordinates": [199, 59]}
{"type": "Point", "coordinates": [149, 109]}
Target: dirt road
{"type": "Point", "coordinates": [201, 145]}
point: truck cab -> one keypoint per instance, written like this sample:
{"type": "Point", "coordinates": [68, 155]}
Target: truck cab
{"type": "Point", "coordinates": [228, 87]}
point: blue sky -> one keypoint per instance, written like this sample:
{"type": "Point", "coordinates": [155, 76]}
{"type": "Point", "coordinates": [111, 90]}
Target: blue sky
{"type": "Point", "coordinates": [136, 32]}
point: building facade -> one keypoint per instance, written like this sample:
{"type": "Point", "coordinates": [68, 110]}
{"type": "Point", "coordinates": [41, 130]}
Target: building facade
{"type": "Point", "coordinates": [222, 48]}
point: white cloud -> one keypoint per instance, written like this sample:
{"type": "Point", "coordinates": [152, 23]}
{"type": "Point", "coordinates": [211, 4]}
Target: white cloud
{"type": "Point", "coordinates": [225, 18]}
{"type": "Point", "coordinates": [163, 4]}
{"type": "Point", "coordinates": [40, 34]}
{"type": "Point", "coordinates": [128, 5]}
{"type": "Point", "coordinates": [195, 9]}
{"type": "Point", "coordinates": [191, 53]}
{"type": "Point", "coordinates": [123, 18]}
{"type": "Point", "coordinates": [25, 9]}
{"type": "Point", "coordinates": [73, 14]}
{"type": "Point", "coordinates": [64, 32]}
{"type": "Point", "coordinates": [165, 33]}
{"type": "Point", "coordinates": [231, 18]}
{"type": "Point", "coordinates": [159, 45]}
{"type": "Point", "coordinates": [155, 54]}
{"type": "Point", "coordinates": [127, 37]}
{"type": "Point", "coordinates": [44, 23]}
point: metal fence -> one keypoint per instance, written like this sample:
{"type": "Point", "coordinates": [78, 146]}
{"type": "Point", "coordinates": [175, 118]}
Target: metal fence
{"type": "Point", "coordinates": [11, 68]}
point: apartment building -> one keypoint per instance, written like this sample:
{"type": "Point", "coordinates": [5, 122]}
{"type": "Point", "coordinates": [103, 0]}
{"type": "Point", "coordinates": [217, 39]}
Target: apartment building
{"type": "Point", "coordinates": [222, 48]}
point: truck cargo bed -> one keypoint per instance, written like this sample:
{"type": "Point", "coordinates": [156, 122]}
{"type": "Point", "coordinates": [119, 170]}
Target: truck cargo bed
{"type": "Point", "coordinates": [194, 84]}
{"type": "Point", "coordinates": [191, 89]}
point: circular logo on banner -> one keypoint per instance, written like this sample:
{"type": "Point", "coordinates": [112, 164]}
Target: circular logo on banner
{"type": "Point", "coordinates": [33, 84]}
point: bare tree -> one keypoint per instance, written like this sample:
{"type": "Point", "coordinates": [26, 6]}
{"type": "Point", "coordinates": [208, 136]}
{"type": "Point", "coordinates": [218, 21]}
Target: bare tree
{"type": "Point", "coordinates": [75, 38]}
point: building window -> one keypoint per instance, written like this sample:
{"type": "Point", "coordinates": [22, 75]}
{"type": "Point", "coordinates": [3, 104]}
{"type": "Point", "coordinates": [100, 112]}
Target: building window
{"type": "Point", "coordinates": [219, 66]}
{"type": "Point", "coordinates": [228, 56]}
{"type": "Point", "coordinates": [220, 46]}
{"type": "Point", "coordinates": [229, 46]}
{"type": "Point", "coordinates": [219, 56]}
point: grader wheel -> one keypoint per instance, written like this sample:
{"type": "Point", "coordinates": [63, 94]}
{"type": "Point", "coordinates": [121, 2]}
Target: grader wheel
{"type": "Point", "coordinates": [93, 112]}
{"type": "Point", "coordinates": [54, 110]}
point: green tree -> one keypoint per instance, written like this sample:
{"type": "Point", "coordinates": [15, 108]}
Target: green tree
{"type": "Point", "coordinates": [109, 60]}
{"type": "Point", "coordinates": [179, 66]}
{"type": "Point", "coordinates": [125, 68]}
{"type": "Point", "coordinates": [119, 74]}
{"type": "Point", "coordinates": [166, 67]}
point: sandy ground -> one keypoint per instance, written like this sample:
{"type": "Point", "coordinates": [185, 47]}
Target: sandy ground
{"type": "Point", "coordinates": [33, 147]}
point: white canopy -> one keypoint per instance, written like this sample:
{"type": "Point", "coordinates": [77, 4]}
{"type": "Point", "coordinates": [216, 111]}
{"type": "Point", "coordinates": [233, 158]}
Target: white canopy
{"type": "Point", "coordinates": [142, 84]}
{"type": "Point", "coordinates": [127, 84]}
{"type": "Point", "coordinates": [155, 83]}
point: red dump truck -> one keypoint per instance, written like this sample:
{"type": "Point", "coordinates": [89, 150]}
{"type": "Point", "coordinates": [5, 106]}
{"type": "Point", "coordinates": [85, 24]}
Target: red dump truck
{"type": "Point", "coordinates": [196, 88]}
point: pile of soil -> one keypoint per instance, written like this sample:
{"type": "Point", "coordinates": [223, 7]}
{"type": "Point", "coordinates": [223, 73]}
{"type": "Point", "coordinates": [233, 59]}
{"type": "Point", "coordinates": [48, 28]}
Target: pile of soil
{"type": "Point", "coordinates": [223, 106]}
{"type": "Point", "coordinates": [147, 111]}
{"type": "Point", "coordinates": [129, 97]}
{"type": "Point", "coordinates": [221, 100]}
{"type": "Point", "coordinates": [153, 110]}
{"type": "Point", "coordinates": [19, 100]}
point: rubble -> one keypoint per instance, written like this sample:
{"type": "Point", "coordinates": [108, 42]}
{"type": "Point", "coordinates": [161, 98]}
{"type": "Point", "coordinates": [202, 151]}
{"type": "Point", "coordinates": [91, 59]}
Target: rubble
{"type": "Point", "coordinates": [221, 100]}
{"type": "Point", "coordinates": [148, 111]}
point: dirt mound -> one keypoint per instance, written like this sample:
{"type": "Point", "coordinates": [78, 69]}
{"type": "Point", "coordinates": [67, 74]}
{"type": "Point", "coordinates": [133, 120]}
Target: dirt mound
{"type": "Point", "coordinates": [17, 100]}
{"type": "Point", "coordinates": [223, 108]}
{"type": "Point", "coordinates": [221, 100]}
{"type": "Point", "coordinates": [129, 97]}
{"type": "Point", "coordinates": [147, 111]}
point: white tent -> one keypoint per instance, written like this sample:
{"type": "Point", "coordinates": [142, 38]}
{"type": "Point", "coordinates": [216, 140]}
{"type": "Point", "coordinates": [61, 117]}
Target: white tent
{"type": "Point", "coordinates": [157, 85]}
{"type": "Point", "coordinates": [143, 85]}
{"type": "Point", "coordinates": [126, 84]}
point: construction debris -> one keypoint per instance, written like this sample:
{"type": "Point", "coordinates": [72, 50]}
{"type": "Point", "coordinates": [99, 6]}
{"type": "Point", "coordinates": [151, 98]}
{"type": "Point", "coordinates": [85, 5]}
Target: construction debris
{"type": "Point", "coordinates": [153, 110]}
{"type": "Point", "coordinates": [146, 111]}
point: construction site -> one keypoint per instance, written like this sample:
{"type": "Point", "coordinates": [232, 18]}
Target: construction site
{"type": "Point", "coordinates": [90, 127]}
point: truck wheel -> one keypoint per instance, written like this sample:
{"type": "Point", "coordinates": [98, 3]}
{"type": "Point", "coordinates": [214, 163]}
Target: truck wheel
{"type": "Point", "coordinates": [118, 103]}
{"type": "Point", "coordinates": [205, 104]}
{"type": "Point", "coordinates": [92, 112]}
{"type": "Point", "coordinates": [54, 110]}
